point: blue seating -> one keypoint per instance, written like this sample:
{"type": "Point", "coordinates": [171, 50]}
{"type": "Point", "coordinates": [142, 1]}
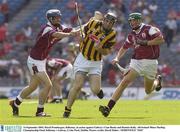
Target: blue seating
{"type": "Point", "coordinates": [1, 18]}
{"type": "Point", "coordinates": [14, 6]}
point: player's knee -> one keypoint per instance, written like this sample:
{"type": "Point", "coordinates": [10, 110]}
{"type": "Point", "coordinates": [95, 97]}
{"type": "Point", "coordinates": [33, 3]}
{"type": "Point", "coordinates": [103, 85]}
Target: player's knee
{"type": "Point", "coordinates": [48, 85]}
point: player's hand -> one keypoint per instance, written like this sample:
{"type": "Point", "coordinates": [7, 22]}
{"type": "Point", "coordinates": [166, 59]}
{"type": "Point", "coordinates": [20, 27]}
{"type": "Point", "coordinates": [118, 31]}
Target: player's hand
{"type": "Point", "coordinates": [114, 61]}
{"type": "Point", "coordinates": [141, 42]}
{"type": "Point", "coordinates": [98, 16]}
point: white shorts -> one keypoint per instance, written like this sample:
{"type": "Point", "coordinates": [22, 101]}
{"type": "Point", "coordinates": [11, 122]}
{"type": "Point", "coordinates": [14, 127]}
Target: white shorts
{"type": "Point", "coordinates": [35, 66]}
{"type": "Point", "coordinates": [145, 67]}
{"type": "Point", "coordinates": [66, 70]}
{"type": "Point", "coordinates": [84, 65]}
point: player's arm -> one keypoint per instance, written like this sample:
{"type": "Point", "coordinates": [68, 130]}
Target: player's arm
{"type": "Point", "coordinates": [106, 48]}
{"type": "Point", "coordinates": [156, 41]}
{"type": "Point", "coordinates": [60, 35]}
{"type": "Point", "coordinates": [127, 44]}
{"type": "Point", "coordinates": [120, 54]}
{"type": "Point", "coordinates": [85, 27]}
{"type": "Point", "coordinates": [154, 33]}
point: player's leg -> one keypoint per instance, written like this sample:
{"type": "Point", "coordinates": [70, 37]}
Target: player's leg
{"type": "Point", "coordinates": [128, 79]}
{"type": "Point", "coordinates": [64, 73]}
{"type": "Point", "coordinates": [151, 81]}
{"type": "Point", "coordinates": [57, 88]}
{"type": "Point", "coordinates": [74, 91]}
{"type": "Point", "coordinates": [52, 93]}
{"type": "Point", "coordinates": [148, 84]}
{"type": "Point", "coordinates": [83, 94]}
{"type": "Point", "coordinates": [47, 85]}
{"type": "Point", "coordinates": [34, 82]}
{"type": "Point", "coordinates": [158, 83]}
{"type": "Point", "coordinates": [95, 85]}
{"type": "Point", "coordinates": [95, 70]}
{"type": "Point", "coordinates": [151, 85]}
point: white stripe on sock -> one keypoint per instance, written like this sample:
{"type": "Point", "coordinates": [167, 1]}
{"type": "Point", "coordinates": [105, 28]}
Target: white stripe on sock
{"type": "Point", "coordinates": [16, 104]}
{"type": "Point", "coordinates": [20, 99]}
{"type": "Point", "coordinates": [40, 106]}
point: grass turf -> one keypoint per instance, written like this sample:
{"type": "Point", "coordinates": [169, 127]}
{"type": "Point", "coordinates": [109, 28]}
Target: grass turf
{"type": "Point", "coordinates": [86, 112]}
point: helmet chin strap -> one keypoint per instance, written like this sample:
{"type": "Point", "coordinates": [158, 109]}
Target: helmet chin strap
{"type": "Point", "coordinates": [136, 28]}
{"type": "Point", "coordinates": [56, 24]}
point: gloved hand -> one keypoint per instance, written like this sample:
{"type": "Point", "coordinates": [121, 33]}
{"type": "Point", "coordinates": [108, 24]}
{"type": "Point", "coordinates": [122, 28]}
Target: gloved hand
{"type": "Point", "coordinates": [141, 42]}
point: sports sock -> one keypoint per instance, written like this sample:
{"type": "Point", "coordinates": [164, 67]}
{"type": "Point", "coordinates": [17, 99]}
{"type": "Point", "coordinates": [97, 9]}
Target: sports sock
{"type": "Point", "coordinates": [18, 101]}
{"type": "Point", "coordinates": [111, 104]}
{"type": "Point", "coordinates": [67, 109]}
{"type": "Point", "coordinates": [100, 94]}
{"type": "Point", "coordinates": [39, 110]}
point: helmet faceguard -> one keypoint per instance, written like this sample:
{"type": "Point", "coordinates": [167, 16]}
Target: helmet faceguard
{"type": "Point", "coordinates": [51, 16]}
{"type": "Point", "coordinates": [108, 22]}
{"type": "Point", "coordinates": [111, 16]}
{"type": "Point", "coordinates": [135, 16]}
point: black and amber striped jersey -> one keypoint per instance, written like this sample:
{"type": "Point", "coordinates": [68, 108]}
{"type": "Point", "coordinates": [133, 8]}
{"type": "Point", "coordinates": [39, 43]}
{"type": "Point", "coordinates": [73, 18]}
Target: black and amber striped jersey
{"type": "Point", "coordinates": [93, 30]}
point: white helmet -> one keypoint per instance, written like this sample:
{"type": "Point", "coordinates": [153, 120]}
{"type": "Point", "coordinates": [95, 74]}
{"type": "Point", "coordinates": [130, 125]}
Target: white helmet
{"type": "Point", "coordinates": [50, 14]}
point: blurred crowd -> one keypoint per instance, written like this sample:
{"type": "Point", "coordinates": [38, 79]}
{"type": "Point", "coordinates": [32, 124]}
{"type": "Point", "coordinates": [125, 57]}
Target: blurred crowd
{"type": "Point", "coordinates": [14, 47]}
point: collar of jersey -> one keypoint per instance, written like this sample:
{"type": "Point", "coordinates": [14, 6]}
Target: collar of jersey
{"type": "Point", "coordinates": [48, 23]}
{"type": "Point", "coordinates": [142, 24]}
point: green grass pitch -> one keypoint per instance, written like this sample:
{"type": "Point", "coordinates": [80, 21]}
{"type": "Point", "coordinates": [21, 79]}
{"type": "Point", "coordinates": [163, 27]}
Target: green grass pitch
{"type": "Point", "coordinates": [85, 112]}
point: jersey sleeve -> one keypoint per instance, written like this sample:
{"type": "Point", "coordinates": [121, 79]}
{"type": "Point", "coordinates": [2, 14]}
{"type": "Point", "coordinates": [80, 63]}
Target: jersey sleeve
{"type": "Point", "coordinates": [88, 25]}
{"type": "Point", "coordinates": [48, 30]}
{"type": "Point", "coordinates": [154, 32]}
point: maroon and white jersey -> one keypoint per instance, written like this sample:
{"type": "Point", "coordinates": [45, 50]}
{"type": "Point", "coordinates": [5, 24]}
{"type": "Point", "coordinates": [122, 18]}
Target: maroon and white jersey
{"type": "Point", "coordinates": [56, 62]}
{"type": "Point", "coordinates": [147, 32]}
{"type": "Point", "coordinates": [54, 65]}
{"type": "Point", "coordinates": [45, 41]}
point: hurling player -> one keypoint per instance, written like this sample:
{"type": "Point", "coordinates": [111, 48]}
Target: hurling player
{"type": "Point", "coordinates": [145, 40]}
